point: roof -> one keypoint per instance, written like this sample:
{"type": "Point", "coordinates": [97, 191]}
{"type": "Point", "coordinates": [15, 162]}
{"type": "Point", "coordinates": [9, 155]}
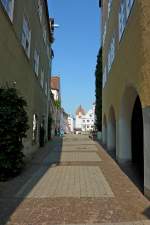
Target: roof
{"type": "Point", "coordinates": [55, 83]}
{"type": "Point", "coordinates": [80, 110]}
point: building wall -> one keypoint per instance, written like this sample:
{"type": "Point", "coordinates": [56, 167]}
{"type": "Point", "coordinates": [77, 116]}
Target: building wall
{"type": "Point", "coordinates": [128, 78]}
{"type": "Point", "coordinates": [71, 123]}
{"type": "Point", "coordinates": [86, 122]}
{"type": "Point", "coordinates": [129, 52]}
{"type": "Point", "coordinates": [16, 66]}
{"type": "Point", "coordinates": [78, 122]}
{"type": "Point", "coordinates": [56, 94]}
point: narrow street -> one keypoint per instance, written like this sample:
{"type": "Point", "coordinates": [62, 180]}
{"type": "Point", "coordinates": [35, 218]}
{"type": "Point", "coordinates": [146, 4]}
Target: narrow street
{"type": "Point", "coordinates": [72, 181]}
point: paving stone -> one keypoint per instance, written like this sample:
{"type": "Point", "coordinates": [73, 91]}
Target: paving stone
{"type": "Point", "coordinates": [69, 181]}
{"type": "Point", "coordinates": [73, 157]}
{"type": "Point", "coordinates": [80, 148]}
{"type": "Point", "coordinates": [80, 186]}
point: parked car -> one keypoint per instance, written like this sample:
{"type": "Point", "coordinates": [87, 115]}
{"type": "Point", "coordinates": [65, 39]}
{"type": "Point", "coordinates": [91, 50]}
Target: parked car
{"type": "Point", "coordinates": [78, 131]}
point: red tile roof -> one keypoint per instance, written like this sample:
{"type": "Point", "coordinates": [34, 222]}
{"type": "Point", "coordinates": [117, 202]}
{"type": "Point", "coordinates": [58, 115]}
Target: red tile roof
{"type": "Point", "coordinates": [55, 83]}
{"type": "Point", "coordinates": [80, 110]}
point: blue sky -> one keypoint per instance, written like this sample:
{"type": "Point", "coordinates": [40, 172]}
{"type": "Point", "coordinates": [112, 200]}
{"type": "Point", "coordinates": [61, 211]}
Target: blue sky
{"type": "Point", "coordinates": [76, 45]}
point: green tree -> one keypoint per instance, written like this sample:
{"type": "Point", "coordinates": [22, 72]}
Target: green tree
{"type": "Point", "coordinates": [57, 104]}
{"type": "Point", "coordinates": [98, 91]}
{"type": "Point", "coordinates": [13, 127]}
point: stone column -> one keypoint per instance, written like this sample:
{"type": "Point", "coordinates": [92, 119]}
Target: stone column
{"type": "Point", "coordinates": [124, 140]}
{"type": "Point", "coordinates": [146, 127]}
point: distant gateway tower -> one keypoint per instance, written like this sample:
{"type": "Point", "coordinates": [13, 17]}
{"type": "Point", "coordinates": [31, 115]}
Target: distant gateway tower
{"type": "Point", "coordinates": [85, 121]}
{"type": "Point", "coordinates": [80, 112]}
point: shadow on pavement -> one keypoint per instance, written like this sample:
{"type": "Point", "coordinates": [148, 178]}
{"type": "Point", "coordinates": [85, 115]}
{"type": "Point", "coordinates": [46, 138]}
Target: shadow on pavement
{"type": "Point", "coordinates": [13, 192]}
{"type": "Point", "coordinates": [147, 212]}
{"type": "Point", "coordinates": [128, 168]}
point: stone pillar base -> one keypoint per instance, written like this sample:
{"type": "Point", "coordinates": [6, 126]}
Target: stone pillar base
{"type": "Point", "coordinates": [147, 192]}
{"type": "Point", "coordinates": [123, 161]}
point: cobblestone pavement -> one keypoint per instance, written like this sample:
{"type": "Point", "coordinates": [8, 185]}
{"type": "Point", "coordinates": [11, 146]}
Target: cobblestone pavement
{"type": "Point", "coordinates": [72, 181]}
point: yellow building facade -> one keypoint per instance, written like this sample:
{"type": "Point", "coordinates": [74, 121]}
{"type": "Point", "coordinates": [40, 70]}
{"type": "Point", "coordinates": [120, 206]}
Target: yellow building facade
{"type": "Point", "coordinates": [25, 59]}
{"type": "Point", "coordinates": [126, 82]}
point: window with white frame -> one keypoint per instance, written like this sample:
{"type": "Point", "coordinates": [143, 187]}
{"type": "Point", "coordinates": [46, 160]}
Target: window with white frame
{"type": "Point", "coordinates": [112, 49]}
{"type": "Point", "coordinates": [129, 4]}
{"type": "Point", "coordinates": [42, 78]}
{"type": "Point", "coordinates": [9, 7]}
{"type": "Point", "coordinates": [109, 6]}
{"type": "Point", "coordinates": [46, 88]}
{"type": "Point", "coordinates": [104, 33]}
{"type": "Point", "coordinates": [122, 18]}
{"type": "Point", "coordinates": [26, 36]}
{"type": "Point", "coordinates": [40, 9]}
{"type": "Point", "coordinates": [109, 60]}
{"type": "Point", "coordinates": [36, 62]}
{"type": "Point", "coordinates": [44, 34]}
{"type": "Point", "coordinates": [104, 76]}
{"type": "Point", "coordinates": [111, 53]}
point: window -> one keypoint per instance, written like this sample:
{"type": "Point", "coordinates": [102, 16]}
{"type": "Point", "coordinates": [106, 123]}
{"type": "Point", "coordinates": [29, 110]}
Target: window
{"type": "Point", "coordinates": [104, 76]}
{"type": "Point", "coordinates": [122, 18]}
{"type": "Point", "coordinates": [111, 54]}
{"type": "Point", "coordinates": [88, 121]}
{"type": "Point", "coordinates": [109, 6]}
{"type": "Point", "coordinates": [35, 128]}
{"type": "Point", "coordinates": [112, 50]}
{"type": "Point", "coordinates": [83, 121]}
{"type": "Point", "coordinates": [44, 34]}
{"type": "Point", "coordinates": [26, 36]}
{"type": "Point", "coordinates": [46, 88]}
{"type": "Point", "coordinates": [9, 7]}
{"type": "Point", "coordinates": [40, 9]}
{"type": "Point", "coordinates": [109, 61]}
{"type": "Point", "coordinates": [104, 33]}
{"type": "Point", "coordinates": [42, 78]}
{"type": "Point", "coordinates": [36, 62]}
{"type": "Point", "coordinates": [129, 4]}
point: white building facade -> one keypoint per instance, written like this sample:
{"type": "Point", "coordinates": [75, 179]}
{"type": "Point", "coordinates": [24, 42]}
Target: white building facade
{"type": "Point", "coordinates": [71, 123]}
{"type": "Point", "coordinates": [85, 121]}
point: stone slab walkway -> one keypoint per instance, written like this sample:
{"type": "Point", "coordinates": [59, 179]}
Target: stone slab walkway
{"type": "Point", "coordinates": [72, 181]}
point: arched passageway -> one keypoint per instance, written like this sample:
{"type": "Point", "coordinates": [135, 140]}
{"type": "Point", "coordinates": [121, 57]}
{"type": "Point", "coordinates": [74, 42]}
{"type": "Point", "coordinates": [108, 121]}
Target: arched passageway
{"type": "Point", "coordinates": [137, 138]}
{"type": "Point", "coordinates": [131, 141]}
{"type": "Point", "coordinates": [111, 139]}
{"type": "Point", "coordinates": [104, 131]}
